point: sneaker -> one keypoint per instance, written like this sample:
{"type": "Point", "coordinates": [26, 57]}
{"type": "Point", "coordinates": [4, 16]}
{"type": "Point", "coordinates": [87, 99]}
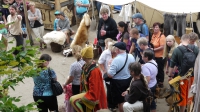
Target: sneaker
{"type": "Point", "coordinates": [113, 109]}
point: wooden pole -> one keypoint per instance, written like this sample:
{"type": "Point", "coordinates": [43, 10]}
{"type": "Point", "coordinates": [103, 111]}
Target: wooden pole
{"type": "Point", "coordinates": [57, 5]}
{"type": "Point", "coordinates": [27, 23]}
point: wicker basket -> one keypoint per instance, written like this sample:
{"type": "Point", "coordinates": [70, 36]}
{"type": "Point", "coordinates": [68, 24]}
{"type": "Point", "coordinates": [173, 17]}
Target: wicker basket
{"type": "Point", "coordinates": [56, 47]}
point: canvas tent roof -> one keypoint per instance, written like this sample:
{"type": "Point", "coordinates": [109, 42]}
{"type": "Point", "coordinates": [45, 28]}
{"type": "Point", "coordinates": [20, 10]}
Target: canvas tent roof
{"type": "Point", "coordinates": [174, 6]}
{"type": "Point", "coordinates": [153, 10]}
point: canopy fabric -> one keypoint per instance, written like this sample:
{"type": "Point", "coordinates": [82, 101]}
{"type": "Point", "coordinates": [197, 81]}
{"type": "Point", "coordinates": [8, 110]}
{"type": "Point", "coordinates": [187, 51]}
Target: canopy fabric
{"type": "Point", "coordinates": [152, 15]}
{"type": "Point", "coordinates": [153, 10]}
{"type": "Point", "coordinates": [173, 6]}
{"type": "Point", "coordinates": [116, 2]}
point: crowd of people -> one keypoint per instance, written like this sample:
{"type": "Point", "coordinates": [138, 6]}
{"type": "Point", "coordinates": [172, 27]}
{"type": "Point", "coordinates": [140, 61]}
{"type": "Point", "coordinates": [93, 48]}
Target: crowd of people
{"type": "Point", "coordinates": [131, 64]}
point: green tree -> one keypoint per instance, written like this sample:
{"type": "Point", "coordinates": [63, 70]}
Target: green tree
{"type": "Point", "coordinates": [13, 69]}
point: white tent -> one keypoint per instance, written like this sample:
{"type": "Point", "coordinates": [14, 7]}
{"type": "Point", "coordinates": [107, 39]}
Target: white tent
{"type": "Point", "coordinates": [153, 10]}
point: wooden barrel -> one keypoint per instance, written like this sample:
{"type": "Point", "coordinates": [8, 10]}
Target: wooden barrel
{"type": "Point", "coordinates": [56, 47]}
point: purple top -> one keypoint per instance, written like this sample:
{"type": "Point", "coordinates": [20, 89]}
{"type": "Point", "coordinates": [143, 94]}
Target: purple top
{"type": "Point", "coordinates": [125, 36]}
{"type": "Point", "coordinates": [149, 69]}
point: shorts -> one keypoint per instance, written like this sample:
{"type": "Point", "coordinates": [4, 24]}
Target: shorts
{"type": "Point", "coordinates": [49, 102]}
{"type": "Point", "coordinates": [184, 89]}
{"type": "Point", "coordinates": [118, 86]}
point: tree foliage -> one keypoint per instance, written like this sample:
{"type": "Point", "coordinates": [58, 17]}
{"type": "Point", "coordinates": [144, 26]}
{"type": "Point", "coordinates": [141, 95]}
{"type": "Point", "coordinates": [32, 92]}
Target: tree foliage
{"type": "Point", "coordinates": [13, 69]}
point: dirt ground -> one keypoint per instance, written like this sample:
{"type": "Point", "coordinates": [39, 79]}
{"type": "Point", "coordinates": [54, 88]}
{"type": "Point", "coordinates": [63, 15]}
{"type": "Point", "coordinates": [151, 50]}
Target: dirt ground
{"type": "Point", "coordinates": [62, 71]}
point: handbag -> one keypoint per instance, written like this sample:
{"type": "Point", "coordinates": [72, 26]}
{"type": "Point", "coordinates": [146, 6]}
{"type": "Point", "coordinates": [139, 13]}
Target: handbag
{"type": "Point", "coordinates": [105, 76]}
{"type": "Point", "coordinates": [55, 85]}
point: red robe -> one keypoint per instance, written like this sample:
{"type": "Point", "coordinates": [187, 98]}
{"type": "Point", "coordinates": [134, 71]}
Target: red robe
{"type": "Point", "coordinates": [95, 92]}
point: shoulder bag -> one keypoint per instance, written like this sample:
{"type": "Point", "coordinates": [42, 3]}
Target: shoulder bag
{"type": "Point", "coordinates": [105, 76]}
{"type": "Point", "coordinates": [55, 85]}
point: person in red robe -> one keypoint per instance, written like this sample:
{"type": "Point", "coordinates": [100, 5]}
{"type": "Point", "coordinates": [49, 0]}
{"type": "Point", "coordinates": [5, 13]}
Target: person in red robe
{"type": "Point", "coordinates": [93, 94]}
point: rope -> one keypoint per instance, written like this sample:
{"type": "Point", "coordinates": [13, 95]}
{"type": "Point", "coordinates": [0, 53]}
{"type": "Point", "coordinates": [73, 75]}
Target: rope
{"type": "Point", "coordinates": [191, 23]}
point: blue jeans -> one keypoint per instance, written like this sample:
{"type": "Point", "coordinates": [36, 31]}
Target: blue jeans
{"type": "Point", "coordinates": [98, 6]}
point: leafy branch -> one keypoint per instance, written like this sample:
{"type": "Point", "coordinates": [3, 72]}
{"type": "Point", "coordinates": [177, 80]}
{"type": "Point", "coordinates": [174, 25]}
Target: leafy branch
{"type": "Point", "coordinates": [14, 69]}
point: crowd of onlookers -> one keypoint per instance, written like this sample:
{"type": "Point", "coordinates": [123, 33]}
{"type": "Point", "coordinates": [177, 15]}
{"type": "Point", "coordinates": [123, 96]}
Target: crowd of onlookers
{"type": "Point", "coordinates": [131, 64]}
{"type": "Point", "coordinates": [157, 54]}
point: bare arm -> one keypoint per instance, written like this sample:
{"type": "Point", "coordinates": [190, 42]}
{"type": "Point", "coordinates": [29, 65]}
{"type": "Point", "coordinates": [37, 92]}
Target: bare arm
{"type": "Point", "coordinates": [132, 48]}
{"type": "Point", "coordinates": [69, 80]}
{"type": "Point", "coordinates": [171, 72]}
{"type": "Point", "coordinates": [148, 78]}
{"type": "Point", "coordinates": [102, 68]}
{"type": "Point", "coordinates": [4, 19]}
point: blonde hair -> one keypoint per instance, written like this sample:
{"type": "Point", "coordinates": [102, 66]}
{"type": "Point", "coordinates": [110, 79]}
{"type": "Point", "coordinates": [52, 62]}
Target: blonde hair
{"type": "Point", "coordinates": [110, 45]}
{"type": "Point", "coordinates": [108, 40]}
{"type": "Point", "coordinates": [31, 3]}
{"type": "Point", "coordinates": [142, 41]}
{"type": "Point", "coordinates": [76, 51]}
{"type": "Point", "coordinates": [167, 50]}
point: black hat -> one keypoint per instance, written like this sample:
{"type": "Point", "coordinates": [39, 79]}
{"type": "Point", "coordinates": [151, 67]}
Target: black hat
{"type": "Point", "coordinates": [120, 45]}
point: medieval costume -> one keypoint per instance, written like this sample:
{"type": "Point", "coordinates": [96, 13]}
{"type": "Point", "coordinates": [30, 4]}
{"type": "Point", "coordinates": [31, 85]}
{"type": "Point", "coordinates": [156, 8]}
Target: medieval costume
{"type": "Point", "coordinates": [92, 95]}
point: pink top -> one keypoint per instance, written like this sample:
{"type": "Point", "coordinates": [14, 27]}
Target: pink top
{"type": "Point", "coordinates": [118, 35]}
{"type": "Point", "coordinates": [68, 91]}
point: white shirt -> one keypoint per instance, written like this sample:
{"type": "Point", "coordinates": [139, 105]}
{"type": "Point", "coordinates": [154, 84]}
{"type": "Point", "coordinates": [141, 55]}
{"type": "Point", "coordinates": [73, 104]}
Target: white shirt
{"type": "Point", "coordinates": [15, 28]}
{"type": "Point", "coordinates": [105, 58]}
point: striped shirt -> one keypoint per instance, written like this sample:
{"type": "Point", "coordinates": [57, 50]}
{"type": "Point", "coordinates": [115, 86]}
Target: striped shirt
{"type": "Point", "coordinates": [75, 71]}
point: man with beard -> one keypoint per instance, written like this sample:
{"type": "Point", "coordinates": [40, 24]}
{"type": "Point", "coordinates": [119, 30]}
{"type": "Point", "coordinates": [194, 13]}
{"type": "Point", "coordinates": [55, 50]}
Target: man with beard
{"type": "Point", "coordinates": [15, 28]}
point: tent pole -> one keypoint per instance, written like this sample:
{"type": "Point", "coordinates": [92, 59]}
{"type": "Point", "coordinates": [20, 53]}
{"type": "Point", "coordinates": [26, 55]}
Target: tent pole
{"type": "Point", "coordinates": [135, 7]}
{"type": "Point", "coordinates": [28, 28]}
{"type": "Point", "coordinates": [191, 22]}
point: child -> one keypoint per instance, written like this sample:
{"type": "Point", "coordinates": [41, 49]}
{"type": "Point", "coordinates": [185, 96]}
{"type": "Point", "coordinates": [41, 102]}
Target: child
{"type": "Point", "coordinates": [57, 14]}
{"type": "Point", "coordinates": [135, 49]}
{"type": "Point", "coordinates": [68, 94]}
{"type": "Point", "coordinates": [193, 38]}
{"type": "Point", "coordinates": [170, 45]}
{"type": "Point", "coordinates": [134, 35]}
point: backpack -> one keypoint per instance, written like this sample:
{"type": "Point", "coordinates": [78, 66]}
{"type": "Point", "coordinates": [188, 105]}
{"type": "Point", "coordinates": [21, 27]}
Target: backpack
{"type": "Point", "coordinates": [140, 31]}
{"type": "Point", "coordinates": [188, 59]}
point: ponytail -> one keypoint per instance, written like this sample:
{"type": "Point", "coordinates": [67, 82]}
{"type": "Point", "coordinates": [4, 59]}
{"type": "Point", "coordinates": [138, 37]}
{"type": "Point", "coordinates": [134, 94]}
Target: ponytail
{"type": "Point", "coordinates": [125, 25]}
{"type": "Point", "coordinates": [78, 56]}
{"type": "Point", "coordinates": [143, 80]}
{"type": "Point", "coordinates": [76, 50]}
